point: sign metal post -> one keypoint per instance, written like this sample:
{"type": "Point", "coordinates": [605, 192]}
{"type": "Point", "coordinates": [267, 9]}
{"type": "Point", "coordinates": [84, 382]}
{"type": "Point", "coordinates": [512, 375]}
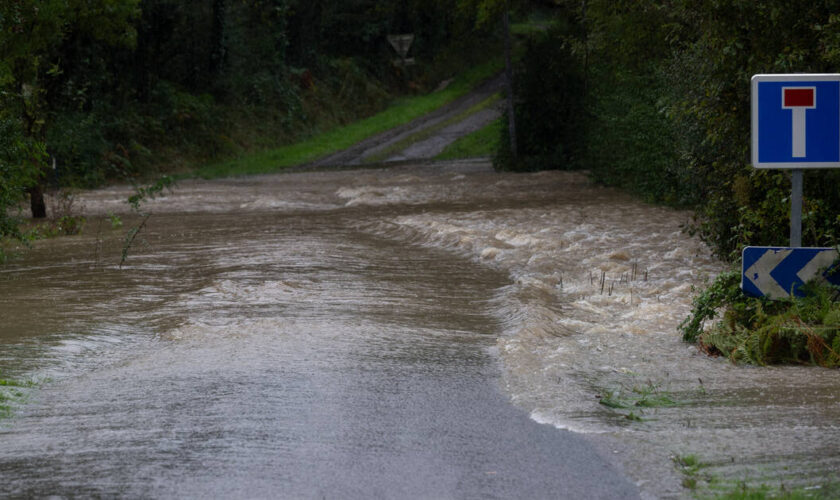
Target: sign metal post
{"type": "Point", "coordinates": [796, 176]}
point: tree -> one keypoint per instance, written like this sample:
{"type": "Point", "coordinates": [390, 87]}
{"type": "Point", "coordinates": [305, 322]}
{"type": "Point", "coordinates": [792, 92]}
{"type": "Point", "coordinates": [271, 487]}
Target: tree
{"type": "Point", "coordinates": [32, 38]}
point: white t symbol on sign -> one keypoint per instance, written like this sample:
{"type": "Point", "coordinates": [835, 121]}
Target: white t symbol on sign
{"type": "Point", "coordinates": [799, 99]}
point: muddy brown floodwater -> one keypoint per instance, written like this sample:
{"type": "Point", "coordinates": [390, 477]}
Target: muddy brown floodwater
{"type": "Point", "coordinates": [292, 288]}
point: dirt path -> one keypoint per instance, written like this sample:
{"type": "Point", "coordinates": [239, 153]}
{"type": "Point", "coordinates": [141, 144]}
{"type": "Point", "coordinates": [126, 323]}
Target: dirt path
{"type": "Point", "coordinates": [427, 147]}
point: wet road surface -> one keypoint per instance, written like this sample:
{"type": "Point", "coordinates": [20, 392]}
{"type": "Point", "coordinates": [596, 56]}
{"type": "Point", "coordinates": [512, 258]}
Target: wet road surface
{"type": "Point", "coordinates": [266, 355]}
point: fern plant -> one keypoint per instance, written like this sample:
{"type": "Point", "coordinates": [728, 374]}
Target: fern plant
{"type": "Point", "coordinates": [802, 330]}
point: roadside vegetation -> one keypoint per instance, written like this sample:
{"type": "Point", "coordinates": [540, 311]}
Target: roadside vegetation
{"type": "Point", "coordinates": [632, 403]}
{"type": "Point", "coordinates": [698, 478]}
{"type": "Point", "coordinates": [760, 331]}
{"type": "Point", "coordinates": [654, 97]}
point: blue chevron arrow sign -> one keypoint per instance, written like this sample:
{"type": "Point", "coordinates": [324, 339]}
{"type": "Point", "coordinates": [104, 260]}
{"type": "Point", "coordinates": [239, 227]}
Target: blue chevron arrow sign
{"type": "Point", "coordinates": [775, 272]}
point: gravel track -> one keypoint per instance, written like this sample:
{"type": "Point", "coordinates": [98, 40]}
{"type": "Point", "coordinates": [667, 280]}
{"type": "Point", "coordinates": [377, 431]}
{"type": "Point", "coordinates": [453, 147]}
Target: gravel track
{"type": "Point", "coordinates": [428, 147]}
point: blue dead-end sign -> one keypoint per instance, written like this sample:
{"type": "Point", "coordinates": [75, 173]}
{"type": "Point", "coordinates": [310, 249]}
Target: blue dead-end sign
{"type": "Point", "coordinates": [796, 121]}
{"type": "Point", "coordinates": [775, 272]}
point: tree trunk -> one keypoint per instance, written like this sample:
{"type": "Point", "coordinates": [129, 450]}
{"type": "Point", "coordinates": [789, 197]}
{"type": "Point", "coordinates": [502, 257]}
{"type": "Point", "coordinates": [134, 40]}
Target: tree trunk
{"type": "Point", "coordinates": [217, 38]}
{"type": "Point", "coordinates": [36, 202]}
{"type": "Point", "coordinates": [509, 78]}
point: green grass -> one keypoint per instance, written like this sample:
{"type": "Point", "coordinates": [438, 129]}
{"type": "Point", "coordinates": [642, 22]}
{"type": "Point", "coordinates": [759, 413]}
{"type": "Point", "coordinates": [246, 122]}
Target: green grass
{"type": "Point", "coordinates": [479, 144]}
{"type": "Point", "coordinates": [10, 392]}
{"type": "Point", "coordinates": [401, 112]}
{"type": "Point", "coordinates": [639, 397]}
{"type": "Point", "coordinates": [762, 493]}
{"type": "Point", "coordinates": [742, 491]}
{"type": "Point", "coordinates": [690, 466]}
{"type": "Point", "coordinates": [705, 485]}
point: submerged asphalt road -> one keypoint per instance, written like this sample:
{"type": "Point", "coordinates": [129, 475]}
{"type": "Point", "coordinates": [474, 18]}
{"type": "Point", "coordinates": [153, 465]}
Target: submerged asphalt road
{"type": "Point", "coordinates": [417, 431]}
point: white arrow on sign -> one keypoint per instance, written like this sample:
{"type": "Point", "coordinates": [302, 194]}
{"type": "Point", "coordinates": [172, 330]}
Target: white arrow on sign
{"type": "Point", "coordinates": [819, 263]}
{"type": "Point", "coordinates": [759, 273]}
{"type": "Point", "coordinates": [776, 272]}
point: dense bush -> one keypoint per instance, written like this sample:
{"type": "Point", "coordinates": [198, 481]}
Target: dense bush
{"type": "Point", "coordinates": [724, 44]}
{"type": "Point", "coordinates": [549, 106]}
{"type": "Point", "coordinates": [630, 142]}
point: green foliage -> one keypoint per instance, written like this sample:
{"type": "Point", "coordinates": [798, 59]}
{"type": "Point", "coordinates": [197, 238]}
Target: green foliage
{"type": "Point", "coordinates": [629, 141]}
{"type": "Point", "coordinates": [719, 47]}
{"type": "Point", "coordinates": [130, 236]}
{"type": "Point", "coordinates": [724, 291]}
{"type": "Point", "coordinates": [488, 12]}
{"type": "Point", "coordinates": [705, 484]}
{"type": "Point", "coordinates": [691, 467]}
{"type": "Point", "coordinates": [638, 399]}
{"type": "Point", "coordinates": [17, 172]}
{"type": "Point", "coordinates": [129, 89]}
{"type": "Point", "coordinates": [65, 225]}
{"type": "Point", "coordinates": [549, 88]}
{"type": "Point", "coordinates": [115, 220]}
{"type": "Point", "coordinates": [141, 194]}
{"type": "Point", "coordinates": [149, 192]}
{"type": "Point", "coordinates": [760, 331]}
{"type": "Point", "coordinates": [763, 492]}
{"type": "Point", "coordinates": [37, 72]}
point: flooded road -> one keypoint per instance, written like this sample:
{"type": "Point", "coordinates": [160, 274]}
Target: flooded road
{"type": "Point", "coordinates": [406, 332]}
{"type": "Point", "coordinates": [263, 353]}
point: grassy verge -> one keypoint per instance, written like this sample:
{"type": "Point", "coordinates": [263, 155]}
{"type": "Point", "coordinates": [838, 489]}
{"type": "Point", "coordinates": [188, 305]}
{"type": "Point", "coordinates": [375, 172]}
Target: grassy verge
{"type": "Point", "coordinates": [479, 144]}
{"type": "Point", "coordinates": [401, 112]}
